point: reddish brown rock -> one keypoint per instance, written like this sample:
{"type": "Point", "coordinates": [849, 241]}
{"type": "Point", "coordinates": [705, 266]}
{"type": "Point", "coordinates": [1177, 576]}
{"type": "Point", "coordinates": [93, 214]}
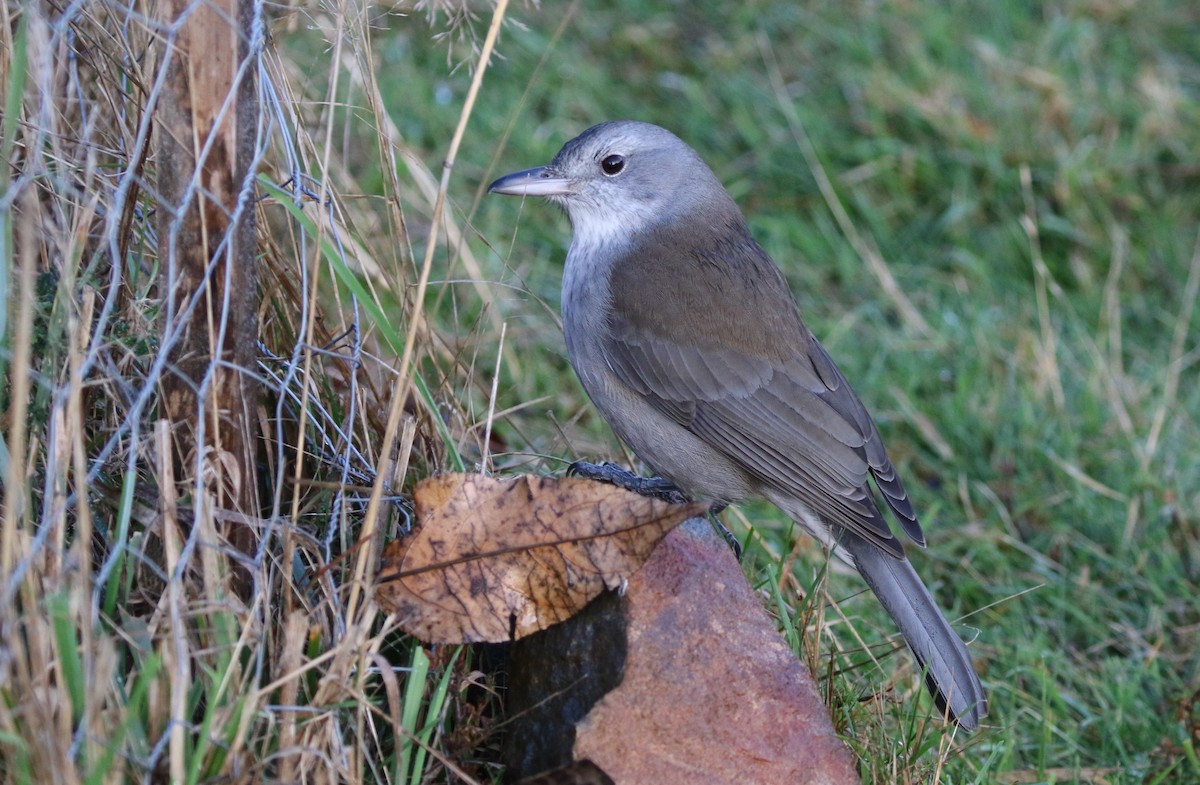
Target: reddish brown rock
{"type": "Point", "coordinates": [710, 693]}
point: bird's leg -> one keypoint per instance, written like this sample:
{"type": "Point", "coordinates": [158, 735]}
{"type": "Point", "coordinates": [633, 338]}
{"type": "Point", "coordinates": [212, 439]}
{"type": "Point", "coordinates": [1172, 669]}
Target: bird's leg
{"type": "Point", "coordinates": [611, 473]}
{"type": "Point", "coordinates": [730, 540]}
{"type": "Point", "coordinates": [654, 487]}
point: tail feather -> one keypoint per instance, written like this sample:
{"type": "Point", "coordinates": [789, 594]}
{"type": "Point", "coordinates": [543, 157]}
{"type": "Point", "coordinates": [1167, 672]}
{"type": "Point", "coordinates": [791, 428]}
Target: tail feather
{"type": "Point", "coordinates": [949, 674]}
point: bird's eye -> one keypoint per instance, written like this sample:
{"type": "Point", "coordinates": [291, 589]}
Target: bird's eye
{"type": "Point", "coordinates": [612, 165]}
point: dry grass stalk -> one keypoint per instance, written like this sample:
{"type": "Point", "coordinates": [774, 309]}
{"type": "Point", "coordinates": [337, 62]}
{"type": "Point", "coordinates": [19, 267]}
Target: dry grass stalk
{"type": "Point", "coordinates": [126, 655]}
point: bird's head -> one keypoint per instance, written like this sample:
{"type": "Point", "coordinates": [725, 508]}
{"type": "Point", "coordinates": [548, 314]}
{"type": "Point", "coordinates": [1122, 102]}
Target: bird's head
{"type": "Point", "coordinates": [622, 177]}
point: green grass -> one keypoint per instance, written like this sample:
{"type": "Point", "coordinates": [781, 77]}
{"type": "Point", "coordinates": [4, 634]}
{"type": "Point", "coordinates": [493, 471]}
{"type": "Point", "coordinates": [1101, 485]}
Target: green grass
{"type": "Point", "coordinates": [1027, 172]}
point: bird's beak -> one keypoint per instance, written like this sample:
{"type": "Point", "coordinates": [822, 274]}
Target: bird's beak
{"type": "Point", "coordinates": [539, 181]}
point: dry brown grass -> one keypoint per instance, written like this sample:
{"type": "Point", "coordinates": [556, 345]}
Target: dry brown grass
{"type": "Point", "coordinates": [126, 655]}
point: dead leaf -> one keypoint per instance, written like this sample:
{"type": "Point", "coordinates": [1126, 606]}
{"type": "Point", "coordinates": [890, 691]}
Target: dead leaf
{"type": "Point", "coordinates": [495, 560]}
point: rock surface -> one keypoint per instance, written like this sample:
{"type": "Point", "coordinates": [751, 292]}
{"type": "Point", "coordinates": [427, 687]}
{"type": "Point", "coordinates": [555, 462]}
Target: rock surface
{"type": "Point", "coordinates": [709, 691]}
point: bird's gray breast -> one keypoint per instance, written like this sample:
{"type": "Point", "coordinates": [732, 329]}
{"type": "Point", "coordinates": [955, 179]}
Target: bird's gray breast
{"type": "Point", "coordinates": [655, 436]}
{"type": "Point", "coordinates": [586, 303]}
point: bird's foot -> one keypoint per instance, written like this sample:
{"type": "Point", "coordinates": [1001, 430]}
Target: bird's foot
{"type": "Point", "coordinates": [611, 473]}
{"type": "Point", "coordinates": [653, 487]}
{"type": "Point", "coordinates": [730, 540]}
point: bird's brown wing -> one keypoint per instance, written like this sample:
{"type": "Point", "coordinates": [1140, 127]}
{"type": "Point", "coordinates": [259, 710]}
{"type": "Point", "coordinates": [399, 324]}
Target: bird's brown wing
{"type": "Point", "coordinates": [755, 384]}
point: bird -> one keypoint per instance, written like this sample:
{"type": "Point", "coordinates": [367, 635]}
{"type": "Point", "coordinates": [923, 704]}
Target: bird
{"type": "Point", "coordinates": [687, 339]}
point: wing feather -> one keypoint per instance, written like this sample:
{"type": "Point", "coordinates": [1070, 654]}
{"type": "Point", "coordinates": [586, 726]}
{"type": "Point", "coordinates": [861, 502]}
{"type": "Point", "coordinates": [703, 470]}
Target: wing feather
{"type": "Point", "coordinates": [794, 424]}
{"type": "Point", "coordinates": [751, 380]}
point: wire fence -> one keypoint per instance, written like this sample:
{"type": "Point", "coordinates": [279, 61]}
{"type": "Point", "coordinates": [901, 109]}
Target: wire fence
{"type": "Point", "coordinates": [176, 606]}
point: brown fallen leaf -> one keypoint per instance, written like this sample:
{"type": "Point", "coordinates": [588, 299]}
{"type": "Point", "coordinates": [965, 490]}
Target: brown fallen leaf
{"type": "Point", "coordinates": [495, 560]}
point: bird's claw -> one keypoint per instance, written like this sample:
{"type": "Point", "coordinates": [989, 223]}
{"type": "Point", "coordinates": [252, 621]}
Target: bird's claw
{"type": "Point", "coordinates": [653, 487]}
{"type": "Point", "coordinates": [730, 540]}
{"type": "Point", "coordinates": [611, 473]}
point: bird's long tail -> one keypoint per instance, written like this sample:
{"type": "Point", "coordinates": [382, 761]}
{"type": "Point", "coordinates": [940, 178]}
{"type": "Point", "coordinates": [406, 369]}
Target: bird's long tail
{"type": "Point", "coordinates": [938, 649]}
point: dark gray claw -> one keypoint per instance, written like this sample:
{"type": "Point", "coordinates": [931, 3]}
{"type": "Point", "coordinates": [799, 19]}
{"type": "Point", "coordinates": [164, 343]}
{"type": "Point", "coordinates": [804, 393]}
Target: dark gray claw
{"type": "Point", "coordinates": [611, 473]}
{"type": "Point", "coordinates": [654, 487]}
{"type": "Point", "coordinates": [724, 532]}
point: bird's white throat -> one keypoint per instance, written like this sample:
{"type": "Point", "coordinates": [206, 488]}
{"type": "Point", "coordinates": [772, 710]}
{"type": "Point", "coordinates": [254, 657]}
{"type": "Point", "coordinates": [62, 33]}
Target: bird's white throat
{"type": "Point", "coordinates": [597, 227]}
